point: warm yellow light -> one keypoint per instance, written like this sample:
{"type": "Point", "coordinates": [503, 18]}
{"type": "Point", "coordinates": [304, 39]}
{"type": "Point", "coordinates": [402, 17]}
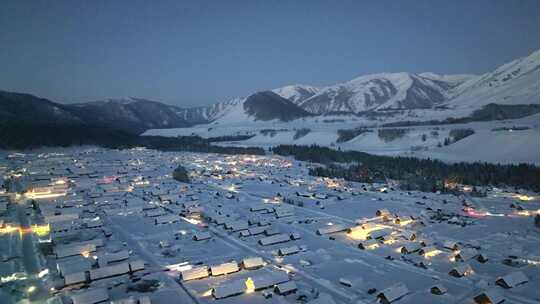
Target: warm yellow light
{"type": "Point", "coordinates": [47, 194]}
{"type": "Point", "coordinates": [85, 253]}
{"type": "Point", "coordinates": [8, 229]}
{"type": "Point", "coordinates": [359, 234]}
{"type": "Point", "coordinates": [207, 293]}
{"type": "Point", "coordinates": [405, 222]}
{"type": "Point", "coordinates": [250, 285]}
{"type": "Point", "coordinates": [362, 234]}
{"type": "Point", "coordinates": [43, 273]}
{"type": "Point", "coordinates": [42, 230]}
{"type": "Point", "coordinates": [523, 197]}
{"type": "Point", "coordinates": [31, 289]}
{"type": "Point", "coordinates": [432, 253]}
{"type": "Point", "coordinates": [524, 213]}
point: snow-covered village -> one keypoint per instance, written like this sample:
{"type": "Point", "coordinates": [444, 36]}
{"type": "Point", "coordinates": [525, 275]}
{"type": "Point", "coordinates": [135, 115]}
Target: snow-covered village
{"type": "Point", "coordinates": [125, 226]}
{"type": "Point", "coordinates": [270, 152]}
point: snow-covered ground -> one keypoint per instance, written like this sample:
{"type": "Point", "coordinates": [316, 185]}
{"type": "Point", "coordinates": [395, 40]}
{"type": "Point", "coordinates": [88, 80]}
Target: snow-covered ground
{"type": "Point", "coordinates": [126, 202]}
{"type": "Point", "coordinates": [514, 146]}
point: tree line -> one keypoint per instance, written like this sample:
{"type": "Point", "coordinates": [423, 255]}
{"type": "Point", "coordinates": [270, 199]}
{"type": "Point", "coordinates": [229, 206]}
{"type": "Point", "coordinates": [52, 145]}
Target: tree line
{"type": "Point", "coordinates": [413, 173]}
{"type": "Point", "coordinates": [30, 136]}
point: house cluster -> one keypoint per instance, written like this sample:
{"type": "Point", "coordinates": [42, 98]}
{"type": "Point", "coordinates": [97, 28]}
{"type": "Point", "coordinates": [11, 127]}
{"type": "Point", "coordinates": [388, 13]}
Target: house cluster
{"type": "Point", "coordinates": [115, 227]}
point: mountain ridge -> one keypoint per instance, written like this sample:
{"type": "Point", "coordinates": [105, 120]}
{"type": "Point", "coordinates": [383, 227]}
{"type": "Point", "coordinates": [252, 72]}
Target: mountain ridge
{"type": "Point", "coordinates": [515, 82]}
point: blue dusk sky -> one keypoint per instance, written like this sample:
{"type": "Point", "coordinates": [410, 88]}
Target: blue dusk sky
{"type": "Point", "coordinates": [192, 53]}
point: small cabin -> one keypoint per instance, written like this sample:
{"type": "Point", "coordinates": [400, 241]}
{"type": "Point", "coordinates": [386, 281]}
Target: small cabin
{"type": "Point", "coordinates": [224, 268]}
{"type": "Point", "coordinates": [286, 288]}
{"type": "Point", "coordinates": [461, 271]}
{"type": "Point", "coordinates": [229, 289]}
{"type": "Point", "coordinates": [200, 236]}
{"type": "Point", "coordinates": [410, 248]}
{"type": "Point", "coordinates": [195, 273]}
{"type": "Point", "coordinates": [438, 290]}
{"type": "Point", "coordinates": [451, 245]}
{"type": "Point", "coordinates": [393, 293]}
{"type": "Point", "coordinates": [288, 250]}
{"type": "Point", "coordinates": [489, 297]}
{"type": "Point", "coordinates": [384, 213]}
{"type": "Point", "coordinates": [368, 245]}
{"type": "Point", "coordinates": [252, 263]}
{"type": "Point", "coordinates": [512, 280]}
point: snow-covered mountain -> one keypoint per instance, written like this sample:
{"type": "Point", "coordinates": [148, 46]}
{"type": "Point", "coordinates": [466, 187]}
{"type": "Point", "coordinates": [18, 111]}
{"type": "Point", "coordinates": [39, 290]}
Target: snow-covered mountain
{"type": "Point", "coordinates": [260, 106]}
{"type": "Point", "coordinates": [381, 92]}
{"type": "Point", "coordinates": [206, 114]}
{"type": "Point", "coordinates": [297, 93]}
{"type": "Point", "coordinates": [517, 82]}
{"type": "Point", "coordinates": [424, 96]}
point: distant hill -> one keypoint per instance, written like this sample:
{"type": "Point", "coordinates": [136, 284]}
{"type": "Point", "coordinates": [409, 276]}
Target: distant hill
{"type": "Point", "coordinates": [269, 105]}
{"type": "Point", "coordinates": [131, 115]}
{"type": "Point", "coordinates": [26, 108]}
{"type": "Point", "coordinates": [134, 115]}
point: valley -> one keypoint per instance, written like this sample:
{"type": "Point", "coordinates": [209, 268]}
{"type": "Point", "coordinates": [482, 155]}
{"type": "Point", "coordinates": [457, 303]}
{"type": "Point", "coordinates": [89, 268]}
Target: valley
{"type": "Point", "coordinates": [254, 229]}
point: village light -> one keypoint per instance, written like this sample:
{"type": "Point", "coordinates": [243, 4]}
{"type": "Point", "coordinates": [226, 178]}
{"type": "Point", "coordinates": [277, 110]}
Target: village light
{"type": "Point", "coordinates": [405, 222]}
{"type": "Point", "coordinates": [43, 273]}
{"type": "Point", "coordinates": [207, 293]}
{"type": "Point", "coordinates": [523, 197]}
{"type": "Point", "coordinates": [432, 253]}
{"type": "Point", "coordinates": [31, 289]}
{"type": "Point", "coordinates": [389, 241]}
{"type": "Point", "coordinates": [250, 285]}
{"type": "Point", "coordinates": [363, 233]}
{"type": "Point", "coordinates": [42, 230]}
{"type": "Point", "coordinates": [8, 229]}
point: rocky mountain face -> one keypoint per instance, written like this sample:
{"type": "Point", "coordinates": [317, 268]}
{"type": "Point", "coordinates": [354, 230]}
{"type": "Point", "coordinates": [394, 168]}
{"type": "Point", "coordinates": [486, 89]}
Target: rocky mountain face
{"type": "Point", "coordinates": [268, 105]}
{"type": "Point", "coordinates": [130, 114]}
{"type": "Point", "coordinates": [26, 108]}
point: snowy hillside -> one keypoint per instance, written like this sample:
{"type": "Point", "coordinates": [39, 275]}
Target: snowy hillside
{"type": "Point", "coordinates": [396, 98]}
{"type": "Point", "coordinates": [201, 115]}
{"type": "Point", "coordinates": [380, 92]}
{"type": "Point", "coordinates": [517, 82]}
{"type": "Point", "coordinates": [506, 141]}
{"type": "Point", "coordinates": [297, 93]}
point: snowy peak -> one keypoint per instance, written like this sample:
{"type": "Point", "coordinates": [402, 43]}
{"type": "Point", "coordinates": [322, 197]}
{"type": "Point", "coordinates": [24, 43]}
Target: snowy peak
{"type": "Point", "coordinates": [260, 106]}
{"type": "Point", "coordinates": [519, 82]}
{"type": "Point", "coordinates": [201, 115]}
{"type": "Point", "coordinates": [378, 92]}
{"type": "Point", "coordinates": [516, 82]}
{"type": "Point", "coordinates": [452, 80]}
{"type": "Point", "coordinates": [297, 93]}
